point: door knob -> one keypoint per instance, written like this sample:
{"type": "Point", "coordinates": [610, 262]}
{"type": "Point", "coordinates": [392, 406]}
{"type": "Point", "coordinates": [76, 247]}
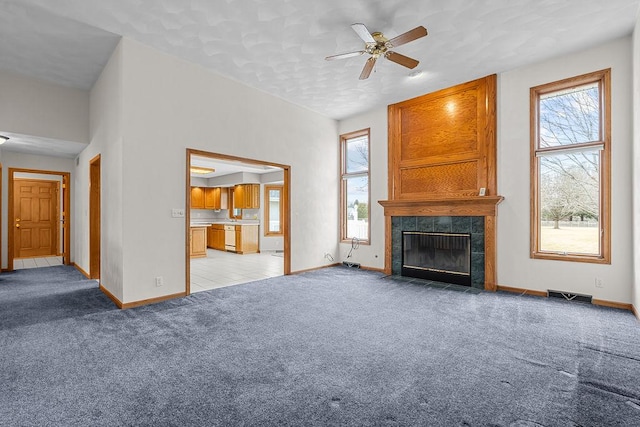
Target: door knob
{"type": "Point", "coordinates": [17, 225]}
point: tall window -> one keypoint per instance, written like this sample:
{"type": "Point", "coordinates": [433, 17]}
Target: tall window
{"type": "Point", "coordinates": [570, 159]}
{"type": "Point", "coordinates": [273, 210]}
{"type": "Point", "coordinates": [354, 194]}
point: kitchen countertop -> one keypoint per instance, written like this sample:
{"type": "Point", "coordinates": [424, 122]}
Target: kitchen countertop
{"type": "Point", "coordinates": [223, 222]}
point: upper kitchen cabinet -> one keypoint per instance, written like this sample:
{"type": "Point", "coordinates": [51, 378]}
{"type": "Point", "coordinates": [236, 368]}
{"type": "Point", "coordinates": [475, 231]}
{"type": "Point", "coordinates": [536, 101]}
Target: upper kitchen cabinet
{"type": "Point", "coordinates": [215, 198]}
{"type": "Point", "coordinates": [209, 198]}
{"type": "Point", "coordinates": [247, 196]}
{"type": "Point", "coordinates": [253, 196]}
{"type": "Point", "coordinates": [197, 197]}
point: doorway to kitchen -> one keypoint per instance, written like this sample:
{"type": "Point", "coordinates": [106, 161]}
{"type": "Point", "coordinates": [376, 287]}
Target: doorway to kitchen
{"type": "Point", "coordinates": [237, 220]}
{"type": "Point", "coordinates": [39, 229]}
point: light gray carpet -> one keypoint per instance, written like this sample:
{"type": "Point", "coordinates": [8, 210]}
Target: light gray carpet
{"type": "Point", "coordinates": [330, 347]}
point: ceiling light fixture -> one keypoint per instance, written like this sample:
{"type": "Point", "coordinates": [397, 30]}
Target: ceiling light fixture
{"type": "Point", "coordinates": [202, 171]}
{"type": "Point", "coordinates": [415, 74]}
{"type": "Point", "coordinates": [3, 139]}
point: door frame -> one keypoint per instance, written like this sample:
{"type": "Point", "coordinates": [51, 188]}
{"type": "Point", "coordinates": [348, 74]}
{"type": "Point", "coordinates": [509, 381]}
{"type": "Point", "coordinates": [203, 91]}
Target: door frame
{"type": "Point", "coordinates": [286, 225]}
{"type": "Point", "coordinates": [64, 213]}
{"type": "Point", "coordinates": [95, 213]}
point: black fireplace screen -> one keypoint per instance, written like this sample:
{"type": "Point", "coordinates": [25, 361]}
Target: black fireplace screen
{"type": "Point", "coordinates": [444, 257]}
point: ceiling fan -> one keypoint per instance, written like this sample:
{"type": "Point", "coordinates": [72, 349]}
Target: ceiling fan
{"type": "Point", "coordinates": [377, 45]}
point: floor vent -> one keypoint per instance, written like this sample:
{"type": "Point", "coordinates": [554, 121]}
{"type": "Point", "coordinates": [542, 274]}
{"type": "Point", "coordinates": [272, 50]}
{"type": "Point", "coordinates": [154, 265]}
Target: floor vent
{"type": "Point", "coordinates": [569, 296]}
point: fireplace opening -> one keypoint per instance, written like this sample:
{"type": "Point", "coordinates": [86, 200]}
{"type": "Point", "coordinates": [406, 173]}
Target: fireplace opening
{"type": "Point", "coordinates": [444, 257]}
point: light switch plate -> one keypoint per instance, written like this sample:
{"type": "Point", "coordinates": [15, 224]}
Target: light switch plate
{"type": "Point", "coordinates": [177, 213]}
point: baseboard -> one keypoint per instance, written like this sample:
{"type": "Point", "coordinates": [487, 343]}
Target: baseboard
{"type": "Point", "coordinates": [635, 311]}
{"type": "Point", "coordinates": [337, 264]}
{"type": "Point", "coordinates": [112, 297]}
{"type": "Point", "coordinates": [522, 291]}
{"type": "Point", "coordinates": [377, 270]}
{"type": "Point", "coordinates": [315, 268]}
{"type": "Point", "coordinates": [594, 301]}
{"type": "Point", "coordinates": [124, 306]}
{"type": "Point", "coordinates": [84, 273]}
{"type": "Point", "coordinates": [611, 304]}
{"type": "Point", "coordinates": [152, 300]}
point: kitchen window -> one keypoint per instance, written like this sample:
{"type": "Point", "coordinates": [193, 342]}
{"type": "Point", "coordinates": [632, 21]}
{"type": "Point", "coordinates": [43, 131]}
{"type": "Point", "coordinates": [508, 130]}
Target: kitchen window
{"type": "Point", "coordinates": [274, 210]}
{"type": "Point", "coordinates": [234, 213]}
{"type": "Point", "coordinates": [570, 169]}
{"type": "Point", "coordinates": [354, 186]}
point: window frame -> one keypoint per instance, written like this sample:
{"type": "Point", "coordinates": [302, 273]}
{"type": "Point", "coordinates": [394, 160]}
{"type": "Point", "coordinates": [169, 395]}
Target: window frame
{"type": "Point", "coordinates": [344, 175]}
{"type": "Point", "coordinates": [603, 79]}
{"type": "Point", "coordinates": [231, 203]}
{"type": "Point", "coordinates": [267, 209]}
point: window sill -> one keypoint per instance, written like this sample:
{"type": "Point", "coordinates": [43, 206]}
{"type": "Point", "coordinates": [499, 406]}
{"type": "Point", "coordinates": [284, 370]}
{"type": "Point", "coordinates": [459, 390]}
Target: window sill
{"type": "Point", "coordinates": [360, 242]}
{"type": "Point", "coordinates": [571, 257]}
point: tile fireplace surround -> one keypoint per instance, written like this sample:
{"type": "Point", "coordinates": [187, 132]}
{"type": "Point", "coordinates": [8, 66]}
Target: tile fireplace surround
{"type": "Point", "coordinates": [473, 225]}
{"type": "Point", "coordinates": [475, 215]}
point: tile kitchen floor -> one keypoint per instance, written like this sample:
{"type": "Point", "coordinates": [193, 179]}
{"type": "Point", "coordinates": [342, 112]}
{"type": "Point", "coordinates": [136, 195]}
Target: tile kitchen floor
{"type": "Point", "coordinates": [19, 264]}
{"type": "Point", "coordinates": [221, 269]}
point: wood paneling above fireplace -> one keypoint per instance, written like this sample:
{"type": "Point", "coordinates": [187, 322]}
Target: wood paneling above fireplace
{"type": "Point", "coordinates": [443, 144]}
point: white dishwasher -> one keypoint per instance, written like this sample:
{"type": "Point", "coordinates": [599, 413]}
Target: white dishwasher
{"type": "Point", "coordinates": [230, 237]}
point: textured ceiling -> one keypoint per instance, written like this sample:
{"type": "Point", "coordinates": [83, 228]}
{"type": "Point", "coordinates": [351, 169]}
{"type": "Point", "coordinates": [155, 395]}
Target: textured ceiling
{"type": "Point", "coordinates": [39, 44]}
{"type": "Point", "coordinates": [278, 46]}
{"type": "Point", "coordinates": [42, 146]}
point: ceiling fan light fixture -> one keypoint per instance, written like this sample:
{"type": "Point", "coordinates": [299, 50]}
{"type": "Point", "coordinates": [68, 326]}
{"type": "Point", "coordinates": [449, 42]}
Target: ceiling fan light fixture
{"type": "Point", "coordinates": [377, 45]}
{"type": "Point", "coordinates": [3, 139]}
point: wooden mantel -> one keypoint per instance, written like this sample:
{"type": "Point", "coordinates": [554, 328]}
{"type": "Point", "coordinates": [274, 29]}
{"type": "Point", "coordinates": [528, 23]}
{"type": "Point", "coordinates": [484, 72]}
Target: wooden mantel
{"type": "Point", "coordinates": [467, 206]}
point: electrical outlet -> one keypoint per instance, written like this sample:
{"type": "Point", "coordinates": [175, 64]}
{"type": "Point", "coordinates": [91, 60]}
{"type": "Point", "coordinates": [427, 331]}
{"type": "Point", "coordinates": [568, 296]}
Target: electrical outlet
{"type": "Point", "coordinates": [599, 283]}
{"type": "Point", "coordinates": [159, 281]}
{"type": "Point", "coordinates": [177, 213]}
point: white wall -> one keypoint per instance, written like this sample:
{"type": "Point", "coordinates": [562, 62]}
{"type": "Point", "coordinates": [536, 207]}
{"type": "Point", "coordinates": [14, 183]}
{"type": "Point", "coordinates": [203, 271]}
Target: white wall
{"type": "Point", "coordinates": [369, 255]}
{"type": "Point", "coordinates": [170, 105]}
{"type": "Point", "coordinates": [29, 161]}
{"type": "Point", "coordinates": [636, 165]}
{"type": "Point", "coordinates": [107, 140]}
{"type": "Point", "coordinates": [34, 107]}
{"type": "Point", "coordinates": [515, 267]}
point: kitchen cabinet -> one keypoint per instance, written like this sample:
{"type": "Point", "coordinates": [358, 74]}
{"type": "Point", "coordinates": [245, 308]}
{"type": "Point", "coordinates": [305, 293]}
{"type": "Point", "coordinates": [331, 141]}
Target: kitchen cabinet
{"type": "Point", "coordinates": [198, 242]}
{"type": "Point", "coordinates": [254, 199]}
{"type": "Point", "coordinates": [247, 239]}
{"type": "Point", "coordinates": [238, 196]}
{"type": "Point", "coordinates": [215, 198]}
{"type": "Point", "coordinates": [246, 196]}
{"type": "Point", "coordinates": [197, 198]}
{"type": "Point", "coordinates": [215, 237]}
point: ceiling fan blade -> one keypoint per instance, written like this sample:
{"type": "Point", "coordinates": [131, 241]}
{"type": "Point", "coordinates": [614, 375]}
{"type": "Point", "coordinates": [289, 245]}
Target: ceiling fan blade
{"type": "Point", "coordinates": [407, 37]}
{"type": "Point", "coordinates": [401, 59]}
{"type": "Point", "coordinates": [363, 33]}
{"type": "Point", "coordinates": [344, 55]}
{"type": "Point", "coordinates": [368, 66]}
